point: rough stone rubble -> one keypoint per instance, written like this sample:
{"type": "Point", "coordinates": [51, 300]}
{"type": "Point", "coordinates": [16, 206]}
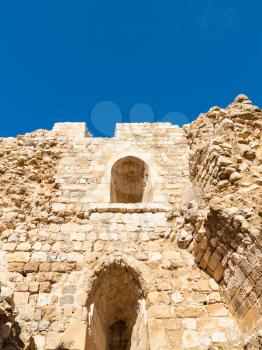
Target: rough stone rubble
{"type": "Point", "coordinates": [181, 270]}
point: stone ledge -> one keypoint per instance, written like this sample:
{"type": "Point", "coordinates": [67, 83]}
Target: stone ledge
{"type": "Point", "coordinates": [126, 208]}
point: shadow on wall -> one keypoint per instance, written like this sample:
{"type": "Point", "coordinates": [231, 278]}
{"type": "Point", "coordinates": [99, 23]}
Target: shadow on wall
{"type": "Point", "coordinates": [14, 342]}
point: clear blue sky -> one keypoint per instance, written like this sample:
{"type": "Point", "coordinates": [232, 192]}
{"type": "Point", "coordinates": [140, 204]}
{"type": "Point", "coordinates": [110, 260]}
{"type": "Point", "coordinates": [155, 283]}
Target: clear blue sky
{"type": "Point", "coordinates": [104, 61]}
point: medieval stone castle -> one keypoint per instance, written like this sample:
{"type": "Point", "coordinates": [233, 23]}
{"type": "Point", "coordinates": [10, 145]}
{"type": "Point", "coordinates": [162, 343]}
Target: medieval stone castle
{"type": "Point", "coordinates": [151, 239]}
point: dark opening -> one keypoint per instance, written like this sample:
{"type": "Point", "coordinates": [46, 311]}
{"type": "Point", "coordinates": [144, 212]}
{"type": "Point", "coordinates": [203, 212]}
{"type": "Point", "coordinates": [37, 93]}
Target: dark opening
{"type": "Point", "coordinates": [118, 337]}
{"type": "Point", "coordinates": [115, 298]}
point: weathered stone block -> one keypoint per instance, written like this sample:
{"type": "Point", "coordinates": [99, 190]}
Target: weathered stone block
{"type": "Point", "coordinates": [216, 310]}
{"type": "Point", "coordinates": [45, 287]}
{"type": "Point", "coordinates": [190, 339]}
{"type": "Point", "coordinates": [22, 286]}
{"type": "Point", "coordinates": [74, 336]}
{"type": "Point", "coordinates": [157, 334]}
{"type": "Point", "coordinates": [53, 341]}
{"type": "Point", "coordinates": [15, 267]}
{"type": "Point", "coordinates": [21, 298]}
{"type": "Point", "coordinates": [159, 311]}
{"type": "Point", "coordinates": [31, 267]}
{"type": "Point", "coordinates": [21, 257]}
{"type": "Point", "coordinates": [214, 260]}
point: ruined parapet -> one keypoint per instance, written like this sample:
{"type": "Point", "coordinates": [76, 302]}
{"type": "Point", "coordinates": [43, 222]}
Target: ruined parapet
{"type": "Point", "coordinates": [226, 170]}
{"type": "Point", "coordinates": [71, 130]}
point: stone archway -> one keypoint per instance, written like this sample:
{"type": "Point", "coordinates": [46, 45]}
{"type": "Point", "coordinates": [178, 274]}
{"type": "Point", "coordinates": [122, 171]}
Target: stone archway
{"type": "Point", "coordinates": [130, 181]}
{"type": "Point", "coordinates": [116, 309]}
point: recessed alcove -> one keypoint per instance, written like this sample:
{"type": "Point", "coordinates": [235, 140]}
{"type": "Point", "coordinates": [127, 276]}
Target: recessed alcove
{"type": "Point", "coordinates": [130, 181]}
{"type": "Point", "coordinates": [115, 315]}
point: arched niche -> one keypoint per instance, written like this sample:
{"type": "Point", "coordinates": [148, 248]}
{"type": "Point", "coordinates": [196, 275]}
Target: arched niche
{"type": "Point", "coordinates": [130, 181]}
{"type": "Point", "coordinates": [116, 307]}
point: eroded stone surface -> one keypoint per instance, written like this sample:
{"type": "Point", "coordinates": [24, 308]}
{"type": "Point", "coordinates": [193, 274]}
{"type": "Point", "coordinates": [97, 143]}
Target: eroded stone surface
{"type": "Point", "coordinates": [148, 240]}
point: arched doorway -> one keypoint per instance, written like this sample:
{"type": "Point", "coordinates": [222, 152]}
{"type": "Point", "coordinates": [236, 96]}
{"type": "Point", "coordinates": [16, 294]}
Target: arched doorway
{"type": "Point", "coordinates": [130, 181]}
{"type": "Point", "coordinates": [117, 311]}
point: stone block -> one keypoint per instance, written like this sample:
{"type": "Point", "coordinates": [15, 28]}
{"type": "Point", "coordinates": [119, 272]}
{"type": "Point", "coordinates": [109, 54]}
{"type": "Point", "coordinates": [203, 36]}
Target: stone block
{"type": "Point", "coordinates": [218, 337]}
{"type": "Point", "coordinates": [26, 312]}
{"type": "Point", "coordinates": [45, 287]}
{"type": "Point", "coordinates": [45, 266]}
{"type": "Point", "coordinates": [39, 341]}
{"type": "Point", "coordinates": [203, 243]}
{"type": "Point", "coordinates": [38, 257]}
{"type": "Point", "coordinates": [34, 287]}
{"type": "Point", "coordinates": [21, 298]}
{"type": "Point", "coordinates": [243, 308]}
{"type": "Point", "coordinates": [255, 274]}
{"type": "Point", "coordinates": [37, 246]}
{"type": "Point", "coordinates": [43, 299]}
{"type": "Point", "coordinates": [74, 336]}
{"type": "Point", "coordinates": [216, 310]}
{"type": "Point", "coordinates": [172, 324]}
{"type": "Point", "coordinates": [258, 287]}
{"type": "Point", "coordinates": [59, 207]}
{"type": "Point", "coordinates": [155, 256]}
{"type": "Point", "coordinates": [213, 285]}
{"type": "Point", "coordinates": [219, 272]}
{"type": "Point", "coordinates": [239, 276]}
{"type": "Point", "coordinates": [44, 325]}
{"type": "Point", "coordinates": [25, 246]}
{"type": "Point", "coordinates": [31, 267]}
{"type": "Point", "coordinates": [189, 311]}
{"type": "Point", "coordinates": [10, 247]}
{"type": "Point", "coordinates": [69, 289]}
{"type": "Point", "coordinates": [248, 285]}
{"type": "Point", "coordinates": [226, 322]}
{"type": "Point", "coordinates": [214, 260]}
{"type": "Point", "coordinates": [173, 339]}
{"type": "Point", "coordinates": [190, 339]}
{"type": "Point", "coordinates": [81, 299]}
{"type": "Point", "coordinates": [66, 299]}
{"type": "Point", "coordinates": [58, 326]}
{"type": "Point", "coordinates": [70, 227]}
{"type": "Point", "coordinates": [54, 228]}
{"type": "Point", "coordinates": [78, 236]}
{"type": "Point", "coordinates": [16, 267]}
{"type": "Point", "coordinates": [199, 256]}
{"type": "Point", "coordinates": [77, 246]}
{"type": "Point", "coordinates": [205, 259]}
{"type": "Point", "coordinates": [189, 323]}
{"type": "Point", "coordinates": [159, 311]}
{"type": "Point", "coordinates": [53, 341]}
{"type": "Point", "coordinates": [22, 286]}
{"type": "Point", "coordinates": [245, 266]}
{"type": "Point", "coordinates": [177, 298]}
{"type": "Point", "coordinates": [21, 257]}
{"type": "Point", "coordinates": [157, 334]}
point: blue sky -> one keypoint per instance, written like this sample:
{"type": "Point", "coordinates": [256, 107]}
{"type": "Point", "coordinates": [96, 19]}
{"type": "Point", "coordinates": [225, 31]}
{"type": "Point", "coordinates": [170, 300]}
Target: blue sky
{"type": "Point", "coordinates": [104, 61]}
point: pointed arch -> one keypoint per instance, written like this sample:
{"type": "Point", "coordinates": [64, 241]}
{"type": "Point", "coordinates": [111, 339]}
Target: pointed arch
{"type": "Point", "coordinates": [116, 308]}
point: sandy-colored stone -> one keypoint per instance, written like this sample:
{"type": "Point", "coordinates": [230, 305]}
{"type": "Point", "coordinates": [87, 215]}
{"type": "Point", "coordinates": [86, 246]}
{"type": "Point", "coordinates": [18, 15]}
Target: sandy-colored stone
{"type": "Point", "coordinates": [107, 235]}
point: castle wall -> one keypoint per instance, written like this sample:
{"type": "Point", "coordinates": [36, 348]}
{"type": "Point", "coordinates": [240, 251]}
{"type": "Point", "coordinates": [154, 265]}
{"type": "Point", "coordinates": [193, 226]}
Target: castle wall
{"type": "Point", "coordinates": [74, 262]}
{"type": "Point", "coordinates": [225, 167]}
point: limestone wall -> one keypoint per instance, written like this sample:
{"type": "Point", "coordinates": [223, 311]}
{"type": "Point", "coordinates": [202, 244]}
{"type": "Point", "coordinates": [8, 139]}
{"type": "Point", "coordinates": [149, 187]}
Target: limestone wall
{"type": "Point", "coordinates": [183, 305]}
{"type": "Point", "coordinates": [226, 169]}
{"type": "Point", "coordinates": [79, 266]}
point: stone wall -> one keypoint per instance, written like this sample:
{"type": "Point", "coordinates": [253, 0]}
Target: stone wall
{"type": "Point", "coordinates": [226, 170]}
{"type": "Point", "coordinates": [86, 271]}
